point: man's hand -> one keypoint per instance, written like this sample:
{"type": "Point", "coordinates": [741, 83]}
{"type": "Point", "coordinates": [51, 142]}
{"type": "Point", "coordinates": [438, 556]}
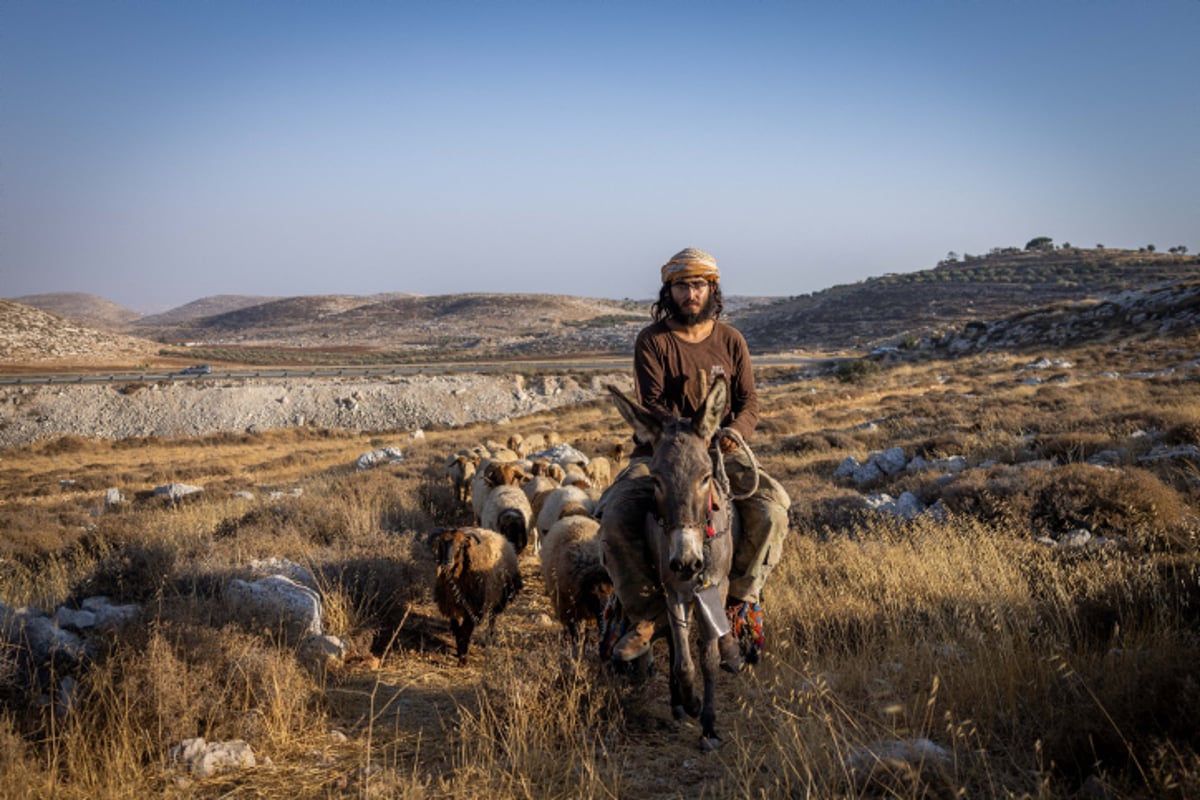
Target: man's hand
{"type": "Point", "coordinates": [728, 444]}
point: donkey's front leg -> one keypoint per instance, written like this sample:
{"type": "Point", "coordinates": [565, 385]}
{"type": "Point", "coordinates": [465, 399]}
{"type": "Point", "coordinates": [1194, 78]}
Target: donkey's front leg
{"type": "Point", "coordinates": [710, 663]}
{"type": "Point", "coordinates": [684, 699]}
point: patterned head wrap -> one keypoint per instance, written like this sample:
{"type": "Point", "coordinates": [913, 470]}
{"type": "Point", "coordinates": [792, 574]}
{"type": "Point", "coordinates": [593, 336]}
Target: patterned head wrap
{"type": "Point", "coordinates": [690, 262]}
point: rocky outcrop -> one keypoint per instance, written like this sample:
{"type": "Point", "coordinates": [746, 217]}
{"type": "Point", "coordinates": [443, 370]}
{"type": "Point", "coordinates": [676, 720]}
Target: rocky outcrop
{"type": "Point", "coordinates": [190, 408]}
{"type": "Point", "coordinates": [1162, 310]}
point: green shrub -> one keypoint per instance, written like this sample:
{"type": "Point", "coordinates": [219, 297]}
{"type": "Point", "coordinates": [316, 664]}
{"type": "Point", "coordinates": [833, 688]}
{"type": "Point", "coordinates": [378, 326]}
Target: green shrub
{"type": "Point", "coordinates": [855, 370]}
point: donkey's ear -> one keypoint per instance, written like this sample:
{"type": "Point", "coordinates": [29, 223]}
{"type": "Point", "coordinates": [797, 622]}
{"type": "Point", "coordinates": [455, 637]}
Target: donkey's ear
{"type": "Point", "coordinates": [708, 416]}
{"type": "Point", "coordinates": [646, 427]}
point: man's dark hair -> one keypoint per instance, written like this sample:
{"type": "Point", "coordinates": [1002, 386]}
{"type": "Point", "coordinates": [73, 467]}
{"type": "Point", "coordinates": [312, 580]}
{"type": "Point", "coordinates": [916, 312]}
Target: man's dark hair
{"type": "Point", "coordinates": [666, 307]}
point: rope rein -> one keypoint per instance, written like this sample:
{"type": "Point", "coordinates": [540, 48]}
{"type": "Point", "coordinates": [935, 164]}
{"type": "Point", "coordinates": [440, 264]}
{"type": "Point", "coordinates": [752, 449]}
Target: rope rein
{"type": "Point", "coordinates": [721, 476]}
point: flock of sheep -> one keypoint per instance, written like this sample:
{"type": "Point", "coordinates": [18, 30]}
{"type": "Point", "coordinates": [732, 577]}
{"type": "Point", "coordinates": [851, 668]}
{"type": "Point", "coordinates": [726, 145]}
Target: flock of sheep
{"type": "Point", "coordinates": [533, 493]}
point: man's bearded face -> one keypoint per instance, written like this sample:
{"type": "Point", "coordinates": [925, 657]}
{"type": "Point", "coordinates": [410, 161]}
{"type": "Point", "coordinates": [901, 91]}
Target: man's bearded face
{"type": "Point", "coordinates": [693, 310]}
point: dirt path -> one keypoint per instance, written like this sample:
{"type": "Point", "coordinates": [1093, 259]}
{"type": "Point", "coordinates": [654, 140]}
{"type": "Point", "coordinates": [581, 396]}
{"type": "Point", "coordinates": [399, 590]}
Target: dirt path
{"type": "Point", "coordinates": [418, 697]}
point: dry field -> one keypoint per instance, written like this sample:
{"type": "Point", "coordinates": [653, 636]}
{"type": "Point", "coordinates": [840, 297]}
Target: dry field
{"type": "Point", "coordinates": [954, 655]}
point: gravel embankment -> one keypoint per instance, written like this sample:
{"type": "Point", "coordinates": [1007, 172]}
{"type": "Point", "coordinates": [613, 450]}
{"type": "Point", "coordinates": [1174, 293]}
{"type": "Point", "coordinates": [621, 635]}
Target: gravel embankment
{"type": "Point", "coordinates": [172, 408]}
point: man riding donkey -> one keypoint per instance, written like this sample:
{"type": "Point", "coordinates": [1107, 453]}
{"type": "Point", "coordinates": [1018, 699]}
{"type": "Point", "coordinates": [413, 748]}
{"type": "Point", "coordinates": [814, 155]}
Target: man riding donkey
{"type": "Point", "coordinates": [676, 360]}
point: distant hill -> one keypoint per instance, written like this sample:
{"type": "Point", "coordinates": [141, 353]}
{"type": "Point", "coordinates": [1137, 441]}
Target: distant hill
{"type": "Point", "coordinates": [460, 324]}
{"type": "Point", "coordinates": [1004, 282]}
{"type": "Point", "coordinates": [905, 308]}
{"type": "Point", "coordinates": [204, 307]}
{"type": "Point", "coordinates": [85, 309]}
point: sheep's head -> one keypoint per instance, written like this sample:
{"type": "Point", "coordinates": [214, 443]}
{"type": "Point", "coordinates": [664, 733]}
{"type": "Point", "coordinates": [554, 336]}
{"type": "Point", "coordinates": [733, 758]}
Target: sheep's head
{"type": "Point", "coordinates": [447, 544]}
{"type": "Point", "coordinates": [574, 478]}
{"type": "Point", "coordinates": [505, 473]}
{"type": "Point", "coordinates": [594, 594]}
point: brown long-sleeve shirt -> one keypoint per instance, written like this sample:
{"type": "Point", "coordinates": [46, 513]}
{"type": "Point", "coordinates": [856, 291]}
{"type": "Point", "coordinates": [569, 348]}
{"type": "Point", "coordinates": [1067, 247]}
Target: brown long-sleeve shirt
{"type": "Point", "coordinates": [672, 376]}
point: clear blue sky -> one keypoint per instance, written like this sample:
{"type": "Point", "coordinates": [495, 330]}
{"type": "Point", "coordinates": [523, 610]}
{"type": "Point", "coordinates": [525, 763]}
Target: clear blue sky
{"type": "Point", "coordinates": [157, 152]}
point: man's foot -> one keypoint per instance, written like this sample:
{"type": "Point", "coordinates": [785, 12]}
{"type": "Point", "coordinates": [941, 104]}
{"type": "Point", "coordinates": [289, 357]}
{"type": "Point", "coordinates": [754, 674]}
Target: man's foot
{"type": "Point", "coordinates": [746, 626]}
{"type": "Point", "coordinates": [636, 642]}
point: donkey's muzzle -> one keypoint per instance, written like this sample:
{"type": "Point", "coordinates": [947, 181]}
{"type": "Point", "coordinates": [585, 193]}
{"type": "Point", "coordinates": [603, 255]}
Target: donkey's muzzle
{"type": "Point", "coordinates": [687, 569]}
{"type": "Point", "coordinates": [687, 556]}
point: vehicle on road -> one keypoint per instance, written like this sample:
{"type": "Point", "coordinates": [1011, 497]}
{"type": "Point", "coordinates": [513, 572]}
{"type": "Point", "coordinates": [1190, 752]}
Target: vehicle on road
{"type": "Point", "coordinates": [196, 369]}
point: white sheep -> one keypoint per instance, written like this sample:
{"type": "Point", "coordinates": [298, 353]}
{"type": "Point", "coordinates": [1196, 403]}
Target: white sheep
{"type": "Point", "coordinates": [563, 501]}
{"type": "Point", "coordinates": [538, 485]}
{"type": "Point", "coordinates": [508, 511]}
{"type": "Point", "coordinates": [583, 483]}
{"type": "Point", "coordinates": [489, 475]}
{"type": "Point", "coordinates": [477, 577]}
{"type": "Point", "coordinates": [460, 469]}
{"type": "Point", "coordinates": [576, 582]}
{"type": "Point", "coordinates": [530, 443]}
{"type": "Point", "coordinates": [599, 471]}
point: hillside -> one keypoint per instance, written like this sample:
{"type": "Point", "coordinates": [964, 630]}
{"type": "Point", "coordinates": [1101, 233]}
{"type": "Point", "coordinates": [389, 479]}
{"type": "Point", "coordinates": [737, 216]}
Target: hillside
{"type": "Point", "coordinates": [925, 303]}
{"type": "Point", "coordinates": [31, 336]}
{"type": "Point", "coordinates": [928, 302]}
{"type": "Point", "coordinates": [404, 326]}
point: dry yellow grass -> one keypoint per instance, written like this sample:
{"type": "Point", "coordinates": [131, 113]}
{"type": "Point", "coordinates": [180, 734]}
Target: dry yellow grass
{"type": "Point", "coordinates": [1033, 671]}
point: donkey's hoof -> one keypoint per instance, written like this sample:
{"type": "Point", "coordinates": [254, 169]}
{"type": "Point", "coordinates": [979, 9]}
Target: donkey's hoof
{"type": "Point", "coordinates": [679, 712]}
{"type": "Point", "coordinates": [710, 743]}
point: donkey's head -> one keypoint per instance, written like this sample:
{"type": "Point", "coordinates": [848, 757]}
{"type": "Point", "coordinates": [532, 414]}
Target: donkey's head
{"type": "Point", "coordinates": [683, 476]}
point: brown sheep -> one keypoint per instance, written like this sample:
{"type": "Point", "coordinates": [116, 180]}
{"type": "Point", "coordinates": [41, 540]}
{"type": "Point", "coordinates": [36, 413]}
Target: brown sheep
{"type": "Point", "coordinates": [477, 577]}
{"type": "Point", "coordinates": [616, 453]}
{"type": "Point", "coordinates": [555, 472]}
{"type": "Point", "coordinates": [542, 466]}
{"type": "Point", "coordinates": [576, 582]}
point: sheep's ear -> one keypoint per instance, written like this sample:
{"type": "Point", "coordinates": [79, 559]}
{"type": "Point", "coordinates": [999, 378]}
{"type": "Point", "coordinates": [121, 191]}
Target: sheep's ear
{"type": "Point", "coordinates": [708, 416]}
{"type": "Point", "coordinates": [646, 427]}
